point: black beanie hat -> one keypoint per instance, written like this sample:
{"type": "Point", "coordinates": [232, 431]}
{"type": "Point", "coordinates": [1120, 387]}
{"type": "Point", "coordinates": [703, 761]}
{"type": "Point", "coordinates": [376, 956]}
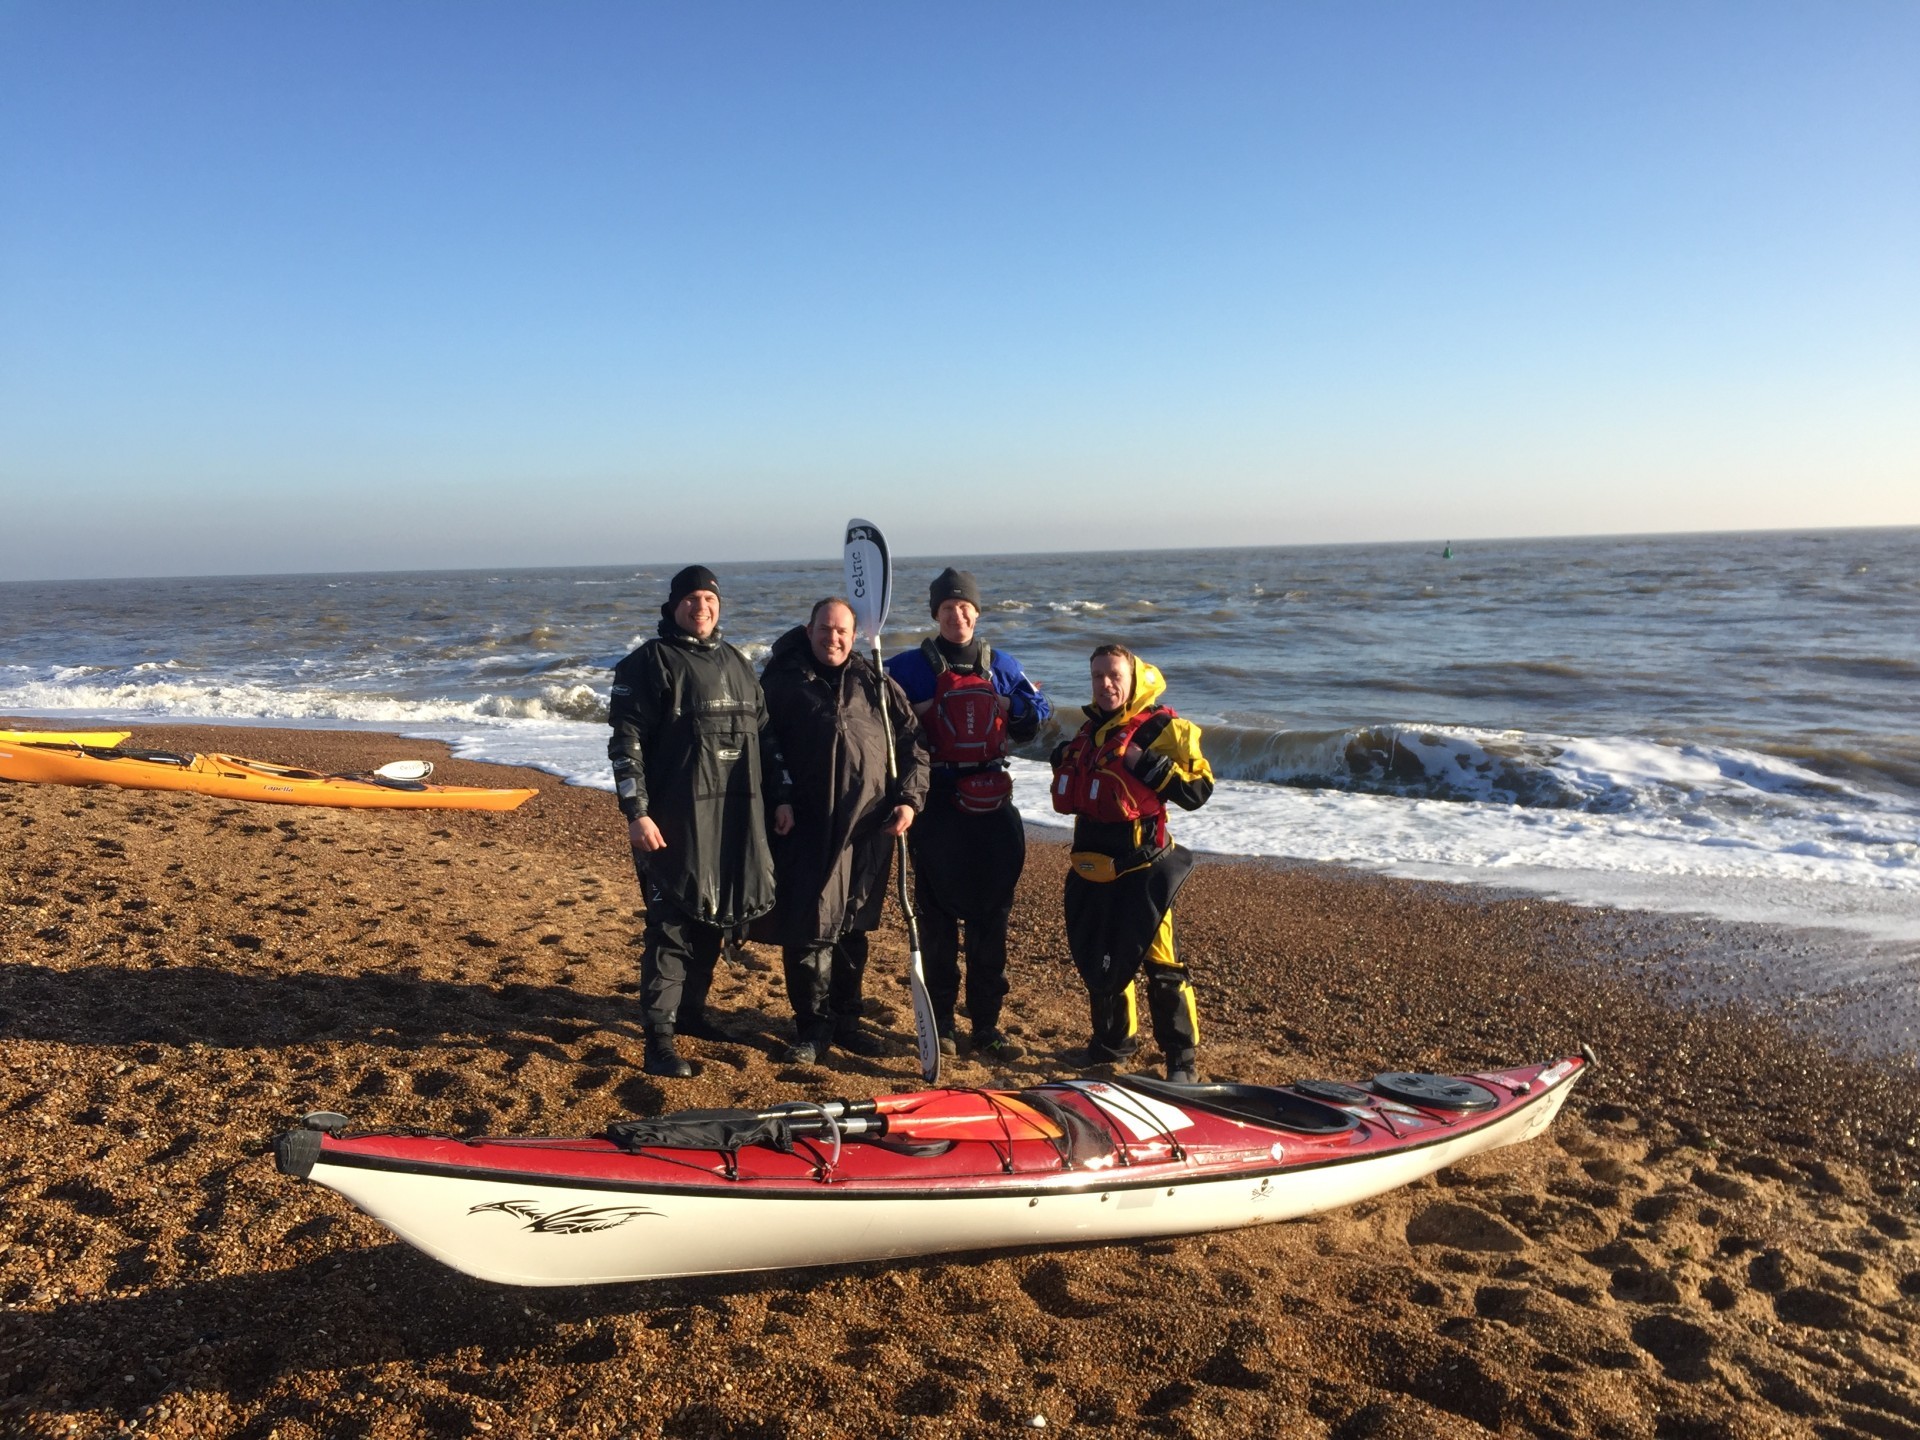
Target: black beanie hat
{"type": "Point", "coordinates": [694, 577]}
{"type": "Point", "coordinates": [952, 584]}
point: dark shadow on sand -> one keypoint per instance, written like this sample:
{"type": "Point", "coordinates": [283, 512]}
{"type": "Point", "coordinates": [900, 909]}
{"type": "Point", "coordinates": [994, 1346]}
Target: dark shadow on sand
{"type": "Point", "coordinates": [352, 1310]}
{"type": "Point", "coordinates": [185, 1004]}
{"type": "Point", "coordinates": [180, 1005]}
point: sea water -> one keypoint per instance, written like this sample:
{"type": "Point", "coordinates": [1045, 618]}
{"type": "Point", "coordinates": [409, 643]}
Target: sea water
{"type": "Point", "coordinates": [1722, 724]}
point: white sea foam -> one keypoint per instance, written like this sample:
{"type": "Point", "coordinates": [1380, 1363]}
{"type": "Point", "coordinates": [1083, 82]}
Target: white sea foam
{"type": "Point", "coordinates": [1818, 867]}
{"type": "Point", "coordinates": [244, 702]}
{"type": "Point", "coordinates": [1782, 869]}
{"type": "Point", "coordinates": [1686, 827]}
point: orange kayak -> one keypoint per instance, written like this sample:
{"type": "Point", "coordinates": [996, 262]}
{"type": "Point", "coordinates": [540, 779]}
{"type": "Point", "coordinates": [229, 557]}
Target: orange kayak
{"type": "Point", "coordinates": [105, 739]}
{"type": "Point", "coordinates": [232, 778]}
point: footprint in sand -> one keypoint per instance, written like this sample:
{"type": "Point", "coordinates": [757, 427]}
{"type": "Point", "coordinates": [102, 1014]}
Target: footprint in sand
{"type": "Point", "coordinates": [1818, 1309]}
{"type": "Point", "coordinates": [1641, 1286]}
{"type": "Point", "coordinates": [1463, 1227]}
{"type": "Point", "coordinates": [640, 1096]}
{"type": "Point", "coordinates": [1892, 1226]}
{"type": "Point", "coordinates": [1720, 1293]}
{"type": "Point", "coordinates": [85, 1198]}
{"type": "Point", "coordinates": [1238, 1364]}
{"type": "Point", "coordinates": [430, 1083]}
{"type": "Point", "coordinates": [1659, 1209]}
{"type": "Point", "coordinates": [1050, 1284]}
{"type": "Point", "coordinates": [1682, 1348]}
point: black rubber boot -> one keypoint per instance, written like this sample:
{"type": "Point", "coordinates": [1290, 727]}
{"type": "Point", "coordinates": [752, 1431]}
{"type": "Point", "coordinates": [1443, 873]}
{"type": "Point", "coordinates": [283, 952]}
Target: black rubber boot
{"type": "Point", "coordinates": [662, 1058]}
{"type": "Point", "coordinates": [1176, 1025]}
{"type": "Point", "coordinates": [1113, 1023]}
{"type": "Point", "coordinates": [996, 1046]}
{"type": "Point", "coordinates": [812, 1046]}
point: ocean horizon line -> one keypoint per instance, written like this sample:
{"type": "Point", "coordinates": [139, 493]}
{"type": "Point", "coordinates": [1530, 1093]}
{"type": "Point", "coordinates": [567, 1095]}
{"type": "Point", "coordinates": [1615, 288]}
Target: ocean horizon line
{"type": "Point", "coordinates": [1304, 546]}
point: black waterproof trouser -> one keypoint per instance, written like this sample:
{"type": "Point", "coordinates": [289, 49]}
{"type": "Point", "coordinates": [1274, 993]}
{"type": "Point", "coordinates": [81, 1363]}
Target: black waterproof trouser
{"type": "Point", "coordinates": [965, 868]}
{"type": "Point", "coordinates": [824, 983]}
{"type": "Point", "coordinates": [676, 965]}
{"type": "Point", "coordinates": [1116, 928]}
{"type": "Point", "coordinates": [1170, 1003]}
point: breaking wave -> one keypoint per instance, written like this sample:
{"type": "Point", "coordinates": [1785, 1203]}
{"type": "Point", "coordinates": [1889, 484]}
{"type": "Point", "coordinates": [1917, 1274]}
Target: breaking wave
{"type": "Point", "coordinates": [1594, 775]}
{"type": "Point", "coordinates": [134, 698]}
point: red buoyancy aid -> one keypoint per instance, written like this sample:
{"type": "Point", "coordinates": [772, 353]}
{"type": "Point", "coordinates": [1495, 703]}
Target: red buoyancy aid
{"type": "Point", "coordinates": [964, 722]}
{"type": "Point", "coordinates": [1093, 779]}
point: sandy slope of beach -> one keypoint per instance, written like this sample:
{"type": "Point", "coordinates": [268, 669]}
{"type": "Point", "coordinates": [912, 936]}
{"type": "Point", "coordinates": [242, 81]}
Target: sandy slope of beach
{"type": "Point", "coordinates": [1718, 1238]}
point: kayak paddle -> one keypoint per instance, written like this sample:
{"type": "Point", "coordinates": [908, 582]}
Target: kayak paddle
{"type": "Point", "coordinates": [869, 570]}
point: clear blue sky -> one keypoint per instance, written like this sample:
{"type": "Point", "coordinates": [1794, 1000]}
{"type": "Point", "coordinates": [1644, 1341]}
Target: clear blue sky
{"type": "Point", "coordinates": [397, 285]}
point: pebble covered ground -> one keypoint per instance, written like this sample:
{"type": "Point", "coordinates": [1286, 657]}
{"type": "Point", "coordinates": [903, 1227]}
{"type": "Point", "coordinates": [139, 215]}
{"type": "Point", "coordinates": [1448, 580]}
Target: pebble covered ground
{"type": "Point", "coordinates": [1718, 1238]}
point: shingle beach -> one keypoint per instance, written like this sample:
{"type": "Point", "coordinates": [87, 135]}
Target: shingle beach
{"type": "Point", "coordinates": [1718, 1238]}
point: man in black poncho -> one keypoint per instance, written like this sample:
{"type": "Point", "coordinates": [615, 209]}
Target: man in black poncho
{"type": "Point", "coordinates": [695, 767]}
{"type": "Point", "coordinates": [825, 702]}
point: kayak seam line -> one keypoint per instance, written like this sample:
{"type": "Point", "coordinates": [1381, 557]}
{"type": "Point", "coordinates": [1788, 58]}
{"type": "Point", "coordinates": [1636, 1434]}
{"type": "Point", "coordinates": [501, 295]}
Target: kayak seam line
{"type": "Point", "coordinates": [840, 1190]}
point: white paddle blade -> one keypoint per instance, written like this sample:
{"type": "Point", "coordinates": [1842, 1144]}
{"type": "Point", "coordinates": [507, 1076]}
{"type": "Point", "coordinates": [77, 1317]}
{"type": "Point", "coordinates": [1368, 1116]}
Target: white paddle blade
{"type": "Point", "coordinates": [869, 576]}
{"type": "Point", "coordinates": [405, 770]}
{"type": "Point", "coordinates": [926, 1037]}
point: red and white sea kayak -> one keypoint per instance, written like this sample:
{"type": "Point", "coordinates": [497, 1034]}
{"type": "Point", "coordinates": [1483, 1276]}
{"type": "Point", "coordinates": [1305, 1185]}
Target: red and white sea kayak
{"type": "Point", "coordinates": [711, 1192]}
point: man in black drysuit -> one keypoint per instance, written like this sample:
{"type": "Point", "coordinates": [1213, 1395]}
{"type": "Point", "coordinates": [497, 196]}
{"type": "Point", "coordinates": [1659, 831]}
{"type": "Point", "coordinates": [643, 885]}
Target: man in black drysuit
{"type": "Point", "coordinates": [695, 768]}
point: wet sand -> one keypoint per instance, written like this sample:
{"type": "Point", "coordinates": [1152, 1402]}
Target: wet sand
{"type": "Point", "coordinates": [1718, 1238]}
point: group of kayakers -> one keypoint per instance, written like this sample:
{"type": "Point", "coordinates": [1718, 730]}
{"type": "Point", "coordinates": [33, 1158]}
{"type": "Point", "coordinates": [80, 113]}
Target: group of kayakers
{"type": "Point", "coordinates": [770, 806]}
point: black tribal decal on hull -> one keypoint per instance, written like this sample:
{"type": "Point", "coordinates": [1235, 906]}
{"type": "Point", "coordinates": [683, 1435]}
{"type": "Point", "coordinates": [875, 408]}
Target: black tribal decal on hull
{"type": "Point", "coordinates": [574, 1220]}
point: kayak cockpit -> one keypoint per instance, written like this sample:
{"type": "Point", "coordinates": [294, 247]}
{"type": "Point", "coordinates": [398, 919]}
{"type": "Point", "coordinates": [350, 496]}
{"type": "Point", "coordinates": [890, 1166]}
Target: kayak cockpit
{"type": "Point", "coordinates": [1267, 1105]}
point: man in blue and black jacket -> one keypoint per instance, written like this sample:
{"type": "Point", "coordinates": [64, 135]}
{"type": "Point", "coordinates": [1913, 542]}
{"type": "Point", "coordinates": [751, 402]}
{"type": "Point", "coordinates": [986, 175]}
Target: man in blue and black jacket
{"type": "Point", "coordinates": [969, 845]}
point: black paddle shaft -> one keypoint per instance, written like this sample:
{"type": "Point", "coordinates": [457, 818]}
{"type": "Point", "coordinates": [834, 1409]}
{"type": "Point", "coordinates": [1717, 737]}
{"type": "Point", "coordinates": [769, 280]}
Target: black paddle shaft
{"type": "Point", "coordinates": [893, 780]}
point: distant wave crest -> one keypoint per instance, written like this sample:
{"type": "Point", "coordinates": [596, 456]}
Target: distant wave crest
{"type": "Point", "coordinates": [1596, 775]}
